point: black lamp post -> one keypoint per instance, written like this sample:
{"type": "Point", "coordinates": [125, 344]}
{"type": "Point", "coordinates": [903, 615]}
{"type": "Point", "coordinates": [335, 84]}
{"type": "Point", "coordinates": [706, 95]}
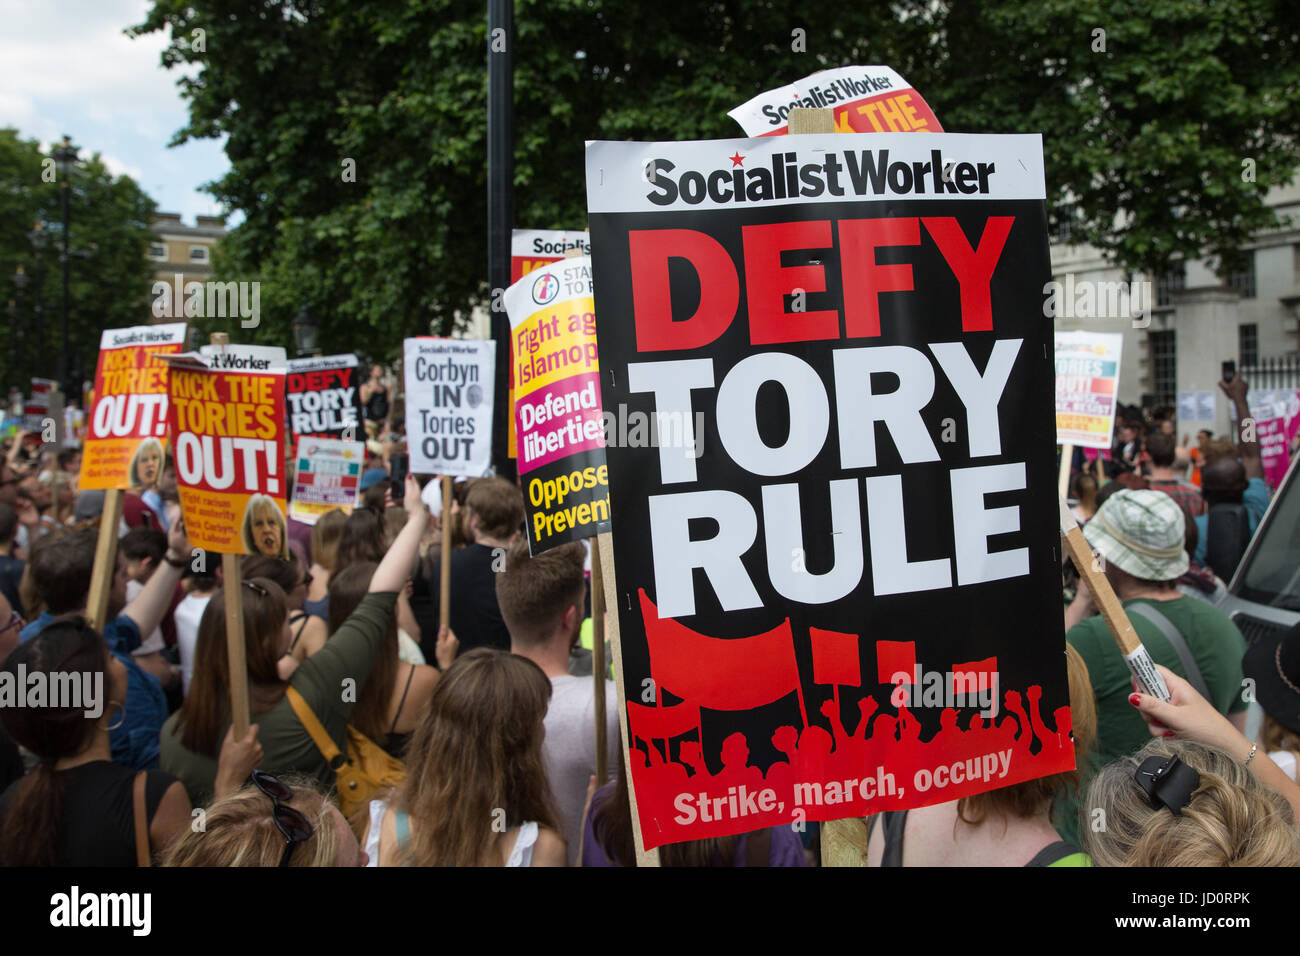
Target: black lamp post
{"type": "Point", "coordinates": [39, 239]}
{"type": "Point", "coordinates": [65, 159]}
{"type": "Point", "coordinates": [20, 321]}
{"type": "Point", "coordinates": [305, 332]}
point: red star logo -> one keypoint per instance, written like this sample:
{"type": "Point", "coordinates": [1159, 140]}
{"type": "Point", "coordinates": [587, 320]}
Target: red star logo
{"type": "Point", "coordinates": [737, 159]}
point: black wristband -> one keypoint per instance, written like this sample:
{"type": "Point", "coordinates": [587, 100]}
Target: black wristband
{"type": "Point", "coordinates": [178, 563]}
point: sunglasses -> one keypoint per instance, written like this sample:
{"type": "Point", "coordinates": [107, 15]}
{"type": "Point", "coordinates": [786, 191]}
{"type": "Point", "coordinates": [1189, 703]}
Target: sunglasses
{"type": "Point", "coordinates": [293, 826]}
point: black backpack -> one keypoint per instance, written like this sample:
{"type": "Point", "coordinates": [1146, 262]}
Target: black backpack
{"type": "Point", "coordinates": [1227, 535]}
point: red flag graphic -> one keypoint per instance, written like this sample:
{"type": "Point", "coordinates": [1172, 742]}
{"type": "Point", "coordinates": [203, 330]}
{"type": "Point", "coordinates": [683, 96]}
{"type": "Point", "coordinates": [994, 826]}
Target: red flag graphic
{"type": "Point", "coordinates": [652, 723]}
{"type": "Point", "coordinates": [835, 657]}
{"type": "Point", "coordinates": [894, 658]}
{"type": "Point", "coordinates": [981, 671]}
{"type": "Point", "coordinates": [721, 674]}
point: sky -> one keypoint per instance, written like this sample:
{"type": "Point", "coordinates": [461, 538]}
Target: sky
{"type": "Point", "coordinates": [66, 67]}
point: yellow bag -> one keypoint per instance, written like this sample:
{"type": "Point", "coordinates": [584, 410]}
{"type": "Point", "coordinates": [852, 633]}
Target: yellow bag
{"type": "Point", "coordinates": [367, 770]}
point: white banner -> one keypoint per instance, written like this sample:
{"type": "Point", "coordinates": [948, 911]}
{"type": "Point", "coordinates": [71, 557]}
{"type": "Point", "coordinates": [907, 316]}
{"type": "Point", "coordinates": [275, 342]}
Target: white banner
{"type": "Point", "coordinates": [449, 389]}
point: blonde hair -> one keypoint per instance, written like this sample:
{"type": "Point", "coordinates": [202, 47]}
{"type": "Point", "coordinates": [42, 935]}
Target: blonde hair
{"type": "Point", "coordinates": [1274, 736]}
{"type": "Point", "coordinates": [133, 471]}
{"type": "Point", "coordinates": [1232, 819]}
{"type": "Point", "coordinates": [239, 830]}
{"type": "Point", "coordinates": [256, 505]}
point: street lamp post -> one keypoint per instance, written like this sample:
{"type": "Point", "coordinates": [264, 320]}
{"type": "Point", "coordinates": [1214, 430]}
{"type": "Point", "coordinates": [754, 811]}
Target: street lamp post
{"type": "Point", "coordinates": [305, 332]}
{"type": "Point", "coordinates": [20, 283]}
{"type": "Point", "coordinates": [65, 158]}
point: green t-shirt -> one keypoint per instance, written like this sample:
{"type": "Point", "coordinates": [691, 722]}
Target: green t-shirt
{"type": "Point", "coordinates": [287, 748]}
{"type": "Point", "coordinates": [1215, 644]}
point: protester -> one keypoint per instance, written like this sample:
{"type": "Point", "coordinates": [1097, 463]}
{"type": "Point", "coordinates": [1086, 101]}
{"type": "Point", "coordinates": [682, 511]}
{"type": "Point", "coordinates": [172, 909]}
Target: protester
{"type": "Point", "coordinates": [476, 792]}
{"type": "Point", "coordinates": [1084, 490]}
{"type": "Point", "coordinates": [143, 550]}
{"type": "Point", "coordinates": [1011, 826]}
{"type": "Point", "coordinates": [1139, 535]}
{"type": "Point", "coordinates": [394, 699]}
{"type": "Point", "coordinates": [77, 807]}
{"type": "Point", "coordinates": [202, 575]}
{"type": "Point", "coordinates": [607, 838]}
{"type": "Point", "coordinates": [1161, 451]}
{"type": "Point", "coordinates": [1272, 662]}
{"type": "Point", "coordinates": [1227, 480]}
{"type": "Point", "coordinates": [1210, 811]}
{"type": "Point", "coordinates": [60, 572]}
{"type": "Point", "coordinates": [191, 736]}
{"type": "Point", "coordinates": [493, 515]}
{"type": "Point", "coordinates": [325, 535]}
{"type": "Point", "coordinates": [362, 540]}
{"type": "Point", "coordinates": [374, 400]}
{"type": "Point", "coordinates": [11, 566]}
{"type": "Point", "coordinates": [270, 823]}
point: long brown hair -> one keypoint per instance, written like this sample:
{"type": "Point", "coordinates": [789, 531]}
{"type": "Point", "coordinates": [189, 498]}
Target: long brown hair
{"type": "Point", "coordinates": [347, 589]}
{"type": "Point", "coordinates": [206, 711]}
{"type": "Point", "coordinates": [477, 755]}
{"type": "Point", "coordinates": [30, 828]}
{"type": "Point", "coordinates": [325, 534]}
{"type": "Point", "coordinates": [611, 824]}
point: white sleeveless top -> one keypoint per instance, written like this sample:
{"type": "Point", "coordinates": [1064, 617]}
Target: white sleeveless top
{"type": "Point", "coordinates": [520, 855]}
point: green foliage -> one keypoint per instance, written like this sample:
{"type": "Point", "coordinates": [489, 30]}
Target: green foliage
{"type": "Point", "coordinates": [1147, 138]}
{"type": "Point", "coordinates": [109, 277]}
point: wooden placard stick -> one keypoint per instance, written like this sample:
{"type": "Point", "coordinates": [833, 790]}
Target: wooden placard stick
{"type": "Point", "coordinates": [444, 560]}
{"type": "Point", "coordinates": [597, 637]}
{"type": "Point", "coordinates": [598, 661]}
{"type": "Point", "coordinates": [101, 577]}
{"type": "Point", "coordinates": [1063, 479]}
{"type": "Point", "coordinates": [844, 842]}
{"type": "Point", "coordinates": [605, 545]}
{"type": "Point", "coordinates": [1112, 611]}
{"type": "Point", "coordinates": [232, 585]}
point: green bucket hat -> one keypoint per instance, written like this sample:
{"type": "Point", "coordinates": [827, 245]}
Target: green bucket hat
{"type": "Point", "coordinates": [1141, 533]}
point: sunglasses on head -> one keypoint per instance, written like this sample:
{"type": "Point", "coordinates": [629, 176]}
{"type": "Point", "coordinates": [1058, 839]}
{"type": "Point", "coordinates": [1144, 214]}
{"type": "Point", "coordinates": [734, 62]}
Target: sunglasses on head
{"type": "Point", "coordinates": [293, 826]}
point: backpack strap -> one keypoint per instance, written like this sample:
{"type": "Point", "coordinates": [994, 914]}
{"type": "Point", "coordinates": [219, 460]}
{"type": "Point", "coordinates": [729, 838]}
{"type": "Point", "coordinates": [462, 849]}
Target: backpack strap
{"type": "Point", "coordinates": [302, 620]}
{"type": "Point", "coordinates": [892, 823]}
{"type": "Point", "coordinates": [141, 820]}
{"type": "Point", "coordinates": [1177, 642]}
{"type": "Point", "coordinates": [320, 737]}
{"type": "Point", "coordinates": [1053, 853]}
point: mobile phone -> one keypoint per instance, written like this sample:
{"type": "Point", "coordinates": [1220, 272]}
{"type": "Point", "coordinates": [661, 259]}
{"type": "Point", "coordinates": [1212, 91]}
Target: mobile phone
{"type": "Point", "coordinates": [1229, 370]}
{"type": "Point", "coordinates": [397, 468]}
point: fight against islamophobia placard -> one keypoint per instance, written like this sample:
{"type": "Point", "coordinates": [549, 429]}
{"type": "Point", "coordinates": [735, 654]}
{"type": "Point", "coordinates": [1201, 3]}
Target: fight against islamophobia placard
{"type": "Point", "coordinates": [839, 593]}
{"type": "Point", "coordinates": [557, 408]}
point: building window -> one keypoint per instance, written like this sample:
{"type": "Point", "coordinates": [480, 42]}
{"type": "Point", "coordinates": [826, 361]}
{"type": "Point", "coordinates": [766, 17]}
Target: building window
{"type": "Point", "coordinates": [1067, 215]}
{"type": "Point", "coordinates": [1164, 366]}
{"type": "Point", "coordinates": [198, 253]}
{"type": "Point", "coordinates": [1167, 283]}
{"type": "Point", "coordinates": [1244, 281]}
{"type": "Point", "coordinates": [158, 251]}
{"type": "Point", "coordinates": [1248, 345]}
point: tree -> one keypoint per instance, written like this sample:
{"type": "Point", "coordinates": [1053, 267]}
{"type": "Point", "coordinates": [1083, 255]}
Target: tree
{"type": "Point", "coordinates": [357, 142]}
{"type": "Point", "coordinates": [109, 279]}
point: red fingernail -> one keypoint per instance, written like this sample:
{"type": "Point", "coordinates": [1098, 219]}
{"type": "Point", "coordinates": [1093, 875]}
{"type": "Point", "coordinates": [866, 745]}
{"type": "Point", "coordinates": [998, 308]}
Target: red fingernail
{"type": "Point", "coordinates": [1134, 699]}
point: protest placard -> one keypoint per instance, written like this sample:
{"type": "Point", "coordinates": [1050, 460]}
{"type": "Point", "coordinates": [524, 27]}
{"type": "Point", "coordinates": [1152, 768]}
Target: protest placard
{"type": "Point", "coordinates": [533, 248]}
{"type": "Point", "coordinates": [328, 476]}
{"type": "Point", "coordinates": [449, 405]}
{"type": "Point", "coordinates": [127, 430]}
{"type": "Point", "coordinates": [324, 397]}
{"type": "Point", "coordinates": [226, 416]}
{"type": "Point", "coordinates": [865, 99]}
{"type": "Point", "coordinates": [557, 407]}
{"type": "Point", "coordinates": [37, 406]}
{"type": "Point", "coordinates": [818, 615]}
{"type": "Point", "coordinates": [1087, 387]}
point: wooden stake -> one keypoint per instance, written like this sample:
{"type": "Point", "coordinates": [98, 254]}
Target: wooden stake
{"type": "Point", "coordinates": [1063, 479]}
{"type": "Point", "coordinates": [1112, 611]}
{"type": "Point", "coordinates": [101, 577]}
{"type": "Point", "coordinates": [232, 583]}
{"type": "Point", "coordinates": [844, 842]}
{"type": "Point", "coordinates": [598, 661]}
{"type": "Point", "coordinates": [605, 543]}
{"type": "Point", "coordinates": [444, 562]}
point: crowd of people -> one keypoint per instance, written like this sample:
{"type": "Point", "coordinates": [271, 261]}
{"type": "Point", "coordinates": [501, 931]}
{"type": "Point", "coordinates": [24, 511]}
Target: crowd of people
{"type": "Point", "coordinates": [379, 738]}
